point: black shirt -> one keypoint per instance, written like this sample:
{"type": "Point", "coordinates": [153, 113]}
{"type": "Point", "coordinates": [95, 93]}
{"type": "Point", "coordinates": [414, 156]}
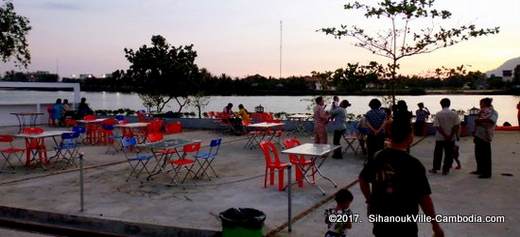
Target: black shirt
{"type": "Point", "coordinates": [398, 183]}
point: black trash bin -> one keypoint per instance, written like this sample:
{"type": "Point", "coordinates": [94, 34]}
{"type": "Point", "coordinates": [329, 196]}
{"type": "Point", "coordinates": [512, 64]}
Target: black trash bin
{"type": "Point", "coordinates": [239, 222]}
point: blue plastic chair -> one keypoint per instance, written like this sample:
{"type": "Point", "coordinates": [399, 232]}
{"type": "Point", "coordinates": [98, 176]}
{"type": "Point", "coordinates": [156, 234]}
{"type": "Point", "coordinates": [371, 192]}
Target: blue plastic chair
{"type": "Point", "coordinates": [120, 117]}
{"type": "Point", "coordinates": [81, 133]}
{"type": "Point", "coordinates": [68, 149]}
{"type": "Point", "coordinates": [138, 162]}
{"type": "Point", "coordinates": [206, 158]}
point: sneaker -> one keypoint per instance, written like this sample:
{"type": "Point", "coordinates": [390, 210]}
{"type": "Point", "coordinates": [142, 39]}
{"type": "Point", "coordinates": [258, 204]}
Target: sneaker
{"type": "Point", "coordinates": [484, 176]}
{"type": "Point", "coordinates": [433, 171]}
{"type": "Point", "coordinates": [445, 172]}
{"type": "Point", "coordinates": [458, 167]}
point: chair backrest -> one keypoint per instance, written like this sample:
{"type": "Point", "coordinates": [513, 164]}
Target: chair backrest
{"type": "Point", "coordinates": [290, 143]}
{"type": "Point", "coordinates": [128, 142]}
{"type": "Point", "coordinates": [6, 138]}
{"type": "Point", "coordinates": [107, 127]}
{"type": "Point", "coordinates": [155, 126]}
{"type": "Point", "coordinates": [79, 129]}
{"type": "Point", "coordinates": [32, 130]}
{"type": "Point", "coordinates": [193, 147]}
{"type": "Point", "coordinates": [214, 146]}
{"type": "Point", "coordinates": [271, 155]}
{"type": "Point", "coordinates": [173, 128]}
{"type": "Point", "coordinates": [155, 137]}
{"type": "Point", "coordinates": [69, 138]}
{"type": "Point", "coordinates": [89, 117]}
{"type": "Point", "coordinates": [110, 121]}
{"type": "Point", "coordinates": [120, 117]}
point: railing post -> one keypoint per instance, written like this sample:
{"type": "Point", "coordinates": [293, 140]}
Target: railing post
{"type": "Point", "coordinates": [289, 197]}
{"type": "Point", "coordinates": [81, 181]}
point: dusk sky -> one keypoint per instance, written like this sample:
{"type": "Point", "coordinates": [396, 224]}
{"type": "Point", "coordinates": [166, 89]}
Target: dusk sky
{"type": "Point", "coordinates": [241, 37]}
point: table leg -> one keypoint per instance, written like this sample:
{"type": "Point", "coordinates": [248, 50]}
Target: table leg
{"type": "Point", "coordinates": [19, 123]}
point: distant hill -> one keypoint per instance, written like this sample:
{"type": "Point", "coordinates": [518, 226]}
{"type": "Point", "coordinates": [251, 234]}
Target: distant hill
{"type": "Point", "coordinates": [508, 65]}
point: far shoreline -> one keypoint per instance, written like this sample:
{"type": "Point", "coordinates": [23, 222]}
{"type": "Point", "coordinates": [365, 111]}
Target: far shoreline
{"type": "Point", "coordinates": [366, 92]}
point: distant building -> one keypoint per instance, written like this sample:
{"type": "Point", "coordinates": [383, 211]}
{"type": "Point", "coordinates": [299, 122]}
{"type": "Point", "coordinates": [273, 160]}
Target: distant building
{"type": "Point", "coordinates": [85, 76]}
{"type": "Point", "coordinates": [507, 75]}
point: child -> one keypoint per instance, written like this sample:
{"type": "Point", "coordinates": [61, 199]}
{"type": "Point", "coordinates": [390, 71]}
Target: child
{"type": "Point", "coordinates": [339, 229]}
{"type": "Point", "coordinates": [456, 154]}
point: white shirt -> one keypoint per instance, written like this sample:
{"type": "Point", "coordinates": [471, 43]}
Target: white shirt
{"type": "Point", "coordinates": [445, 120]}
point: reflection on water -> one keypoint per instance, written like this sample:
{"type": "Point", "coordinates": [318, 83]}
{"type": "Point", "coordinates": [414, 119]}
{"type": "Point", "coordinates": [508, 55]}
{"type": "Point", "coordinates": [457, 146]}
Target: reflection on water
{"type": "Point", "coordinates": [504, 104]}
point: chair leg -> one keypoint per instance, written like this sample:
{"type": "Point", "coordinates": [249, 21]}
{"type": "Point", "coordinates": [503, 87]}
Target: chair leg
{"type": "Point", "coordinates": [299, 177]}
{"type": "Point", "coordinates": [265, 178]}
{"type": "Point", "coordinates": [280, 179]}
{"type": "Point", "coordinates": [271, 176]}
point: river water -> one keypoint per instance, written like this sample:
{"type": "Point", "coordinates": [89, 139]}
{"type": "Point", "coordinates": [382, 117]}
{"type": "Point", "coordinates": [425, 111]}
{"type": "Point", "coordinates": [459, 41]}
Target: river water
{"type": "Point", "coordinates": [504, 104]}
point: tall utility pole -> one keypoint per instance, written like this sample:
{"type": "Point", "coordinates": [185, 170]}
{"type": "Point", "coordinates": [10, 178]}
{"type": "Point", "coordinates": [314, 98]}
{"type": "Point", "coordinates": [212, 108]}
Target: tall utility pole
{"type": "Point", "coordinates": [281, 31]}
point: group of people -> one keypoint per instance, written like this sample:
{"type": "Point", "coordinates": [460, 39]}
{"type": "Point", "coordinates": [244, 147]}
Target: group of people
{"type": "Point", "coordinates": [63, 109]}
{"type": "Point", "coordinates": [237, 120]}
{"type": "Point", "coordinates": [393, 182]}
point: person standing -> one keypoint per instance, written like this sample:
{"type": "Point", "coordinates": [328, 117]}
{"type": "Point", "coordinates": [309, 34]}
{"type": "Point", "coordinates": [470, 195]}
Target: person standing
{"type": "Point", "coordinates": [321, 118]}
{"type": "Point", "coordinates": [483, 135]}
{"type": "Point", "coordinates": [339, 124]}
{"type": "Point", "coordinates": [421, 116]}
{"type": "Point", "coordinates": [335, 103]}
{"type": "Point", "coordinates": [375, 120]}
{"type": "Point", "coordinates": [394, 184]}
{"type": "Point", "coordinates": [447, 124]}
{"type": "Point", "coordinates": [83, 108]}
{"type": "Point", "coordinates": [58, 112]}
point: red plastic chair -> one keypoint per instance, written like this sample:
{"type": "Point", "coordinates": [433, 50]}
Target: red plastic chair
{"type": "Point", "coordinates": [51, 122]}
{"type": "Point", "coordinates": [299, 161]}
{"type": "Point", "coordinates": [155, 126]}
{"type": "Point", "coordinates": [70, 122]}
{"type": "Point", "coordinates": [185, 161]}
{"type": "Point", "coordinates": [154, 137]}
{"type": "Point", "coordinates": [35, 146]}
{"type": "Point", "coordinates": [173, 128]}
{"type": "Point", "coordinates": [92, 129]}
{"type": "Point", "coordinates": [10, 150]}
{"type": "Point", "coordinates": [272, 163]}
{"type": "Point", "coordinates": [105, 133]}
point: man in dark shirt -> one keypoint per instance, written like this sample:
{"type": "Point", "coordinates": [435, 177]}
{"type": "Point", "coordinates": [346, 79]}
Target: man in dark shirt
{"type": "Point", "coordinates": [395, 184]}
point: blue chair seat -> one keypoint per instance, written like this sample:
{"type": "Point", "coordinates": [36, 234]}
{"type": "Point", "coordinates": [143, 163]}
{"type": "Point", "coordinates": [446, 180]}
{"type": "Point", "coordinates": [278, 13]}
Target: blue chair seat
{"type": "Point", "coordinates": [205, 155]}
{"type": "Point", "coordinates": [142, 157]}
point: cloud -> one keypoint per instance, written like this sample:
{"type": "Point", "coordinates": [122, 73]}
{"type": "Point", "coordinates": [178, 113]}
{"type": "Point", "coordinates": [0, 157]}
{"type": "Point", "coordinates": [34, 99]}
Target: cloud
{"type": "Point", "coordinates": [62, 6]}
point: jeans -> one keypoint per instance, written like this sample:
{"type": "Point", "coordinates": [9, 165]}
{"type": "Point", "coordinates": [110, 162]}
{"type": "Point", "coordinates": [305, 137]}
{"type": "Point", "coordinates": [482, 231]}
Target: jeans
{"type": "Point", "coordinates": [447, 146]}
{"type": "Point", "coordinates": [337, 141]}
{"type": "Point", "coordinates": [483, 156]}
{"type": "Point", "coordinates": [375, 143]}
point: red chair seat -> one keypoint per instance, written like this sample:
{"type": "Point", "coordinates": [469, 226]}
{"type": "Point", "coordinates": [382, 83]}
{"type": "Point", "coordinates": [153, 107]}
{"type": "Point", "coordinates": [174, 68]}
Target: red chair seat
{"type": "Point", "coordinates": [182, 162]}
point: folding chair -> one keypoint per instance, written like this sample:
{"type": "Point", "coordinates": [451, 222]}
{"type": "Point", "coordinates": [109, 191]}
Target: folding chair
{"type": "Point", "coordinates": [68, 149]}
{"type": "Point", "coordinates": [10, 151]}
{"type": "Point", "coordinates": [184, 161]}
{"type": "Point", "coordinates": [138, 162]}
{"type": "Point", "coordinates": [206, 158]}
{"type": "Point", "coordinates": [351, 138]}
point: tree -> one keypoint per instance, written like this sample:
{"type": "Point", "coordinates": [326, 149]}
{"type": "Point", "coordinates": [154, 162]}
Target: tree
{"type": "Point", "coordinates": [516, 74]}
{"type": "Point", "coordinates": [401, 40]}
{"type": "Point", "coordinates": [199, 101]}
{"type": "Point", "coordinates": [162, 72]}
{"type": "Point", "coordinates": [13, 32]}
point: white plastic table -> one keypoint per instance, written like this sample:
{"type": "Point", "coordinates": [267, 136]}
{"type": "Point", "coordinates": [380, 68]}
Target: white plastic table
{"type": "Point", "coordinates": [315, 151]}
{"type": "Point", "coordinates": [21, 116]}
{"type": "Point", "coordinates": [28, 136]}
{"type": "Point", "coordinates": [260, 133]}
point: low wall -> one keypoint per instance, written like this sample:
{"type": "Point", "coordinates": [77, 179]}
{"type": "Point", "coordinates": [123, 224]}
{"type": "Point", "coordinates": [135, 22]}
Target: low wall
{"type": "Point", "coordinates": [7, 119]}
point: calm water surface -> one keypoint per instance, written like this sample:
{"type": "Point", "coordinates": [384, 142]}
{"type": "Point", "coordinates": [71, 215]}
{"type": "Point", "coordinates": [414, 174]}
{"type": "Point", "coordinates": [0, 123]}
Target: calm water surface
{"type": "Point", "coordinates": [504, 104]}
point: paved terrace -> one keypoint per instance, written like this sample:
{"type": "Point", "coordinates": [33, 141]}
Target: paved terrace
{"type": "Point", "coordinates": [240, 184]}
